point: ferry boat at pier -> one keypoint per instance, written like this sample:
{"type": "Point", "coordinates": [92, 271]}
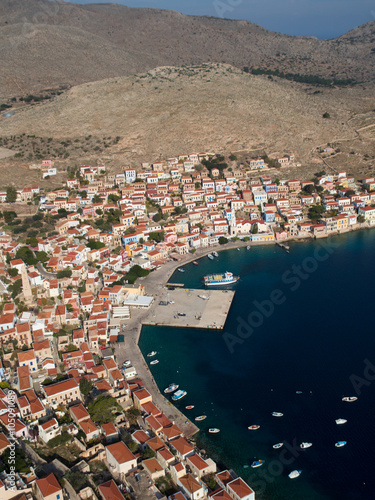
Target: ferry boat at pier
{"type": "Point", "coordinates": [220, 279]}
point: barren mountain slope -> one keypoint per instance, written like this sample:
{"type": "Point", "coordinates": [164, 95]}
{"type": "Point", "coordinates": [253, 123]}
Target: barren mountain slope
{"type": "Point", "coordinates": [171, 110]}
{"type": "Point", "coordinates": [60, 42]}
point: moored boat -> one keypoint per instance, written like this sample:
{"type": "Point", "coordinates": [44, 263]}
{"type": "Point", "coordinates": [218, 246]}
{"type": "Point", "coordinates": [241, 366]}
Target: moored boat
{"type": "Point", "coordinates": [257, 463]}
{"type": "Point", "coordinates": [253, 427]}
{"type": "Point", "coordinates": [248, 247]}
{"type": "Point", "coordinates": [155, 362]}
{"type": "Point", "coordinates": [213, 430]}
{"type": "Point", "coordinates": [152, 353]}
{"type": "Point", "coordinates": [340, 421]}
{"type": "Point", "coordinates": [349, 399]}
{"type": "Point", "coordinates": [181, 270]}
{"type": "Point", "coordinates": [305, 445]}
{"type": "Point", "coordinates": [277, 446]}
{"type": "Point", "coordinates": [340, 444]}
{"type": "Point", "coordinates": [200, 418]}
{"type": "Point", "coordinates": [179, 395]}
{"type": "Point", "coordinates": [277, 414]}
{"type": "Point", "coordinates": [189, 407]}
{"type": "Point", "coordinates": [298, 392]}
{"type": "Point", "coordinates": [215, 254]}
{"type": "Point", "coordinates": [294, 474]}
{"type": "Point", "coordinates": [171, 388]}
{"type": "Point", "coordinates": [195, 262]}
{"type": "Point", "coordinates": [220, 279]}
{"type": "Point", "coordinates": [210, 256]}
{"type": "Point", "coordinates": [203, 297]}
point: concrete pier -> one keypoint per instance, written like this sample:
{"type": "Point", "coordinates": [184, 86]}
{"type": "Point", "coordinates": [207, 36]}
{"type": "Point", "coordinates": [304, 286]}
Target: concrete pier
{"type": "Point", "coordinates": [191, 308]}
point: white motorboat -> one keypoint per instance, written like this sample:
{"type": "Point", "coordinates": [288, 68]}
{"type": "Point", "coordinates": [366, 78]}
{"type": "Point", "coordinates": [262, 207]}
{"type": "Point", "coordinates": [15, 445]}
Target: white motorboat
{"type": "Point", "coordinates": [155, 362]}
{"type": "Point", "coordinates": [253, 427]}
{"type": "Point", "coordinates": [181, 270]}
{"type": "Point", "coordinates": [203, 297]}
{"type": "Point", "coordinates": [340, 421]}
{"type": "Point", "coordinates": [215, 254]}
{"type": "Point", "coordinates": [277, 414]}
{"type": "Point", "coordinates": [171, 388]}
{"type": "Point", "coordinates": [340, 444]}
{"type": "Point", "coordinates": [200, 418]}
{"type": "Point", "coordinates": [152, 353]}
{"type": "Point", "coordinates": [349, 399]}
{"type": "Point", "coordinates": [210, 256]}
{"type": "Point", "coordinates": [248, 247]}
{"type": "Point", "coordinates": [294, 474]}
{"type": "Point", "coordinates": [305, 445]}
{"type": "Point", "coordinates": [277, 446]}
{"type": "Point", "coordinates": [213, 430]}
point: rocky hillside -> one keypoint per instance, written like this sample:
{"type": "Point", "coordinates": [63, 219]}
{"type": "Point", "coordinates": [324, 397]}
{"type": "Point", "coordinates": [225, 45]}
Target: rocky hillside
{"type": "Point", "coordinates": [43, 44]}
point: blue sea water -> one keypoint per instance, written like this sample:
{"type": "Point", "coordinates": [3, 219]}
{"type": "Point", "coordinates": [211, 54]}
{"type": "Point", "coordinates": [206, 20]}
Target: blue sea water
{"type": "Point", "coordinates": [319, 339]}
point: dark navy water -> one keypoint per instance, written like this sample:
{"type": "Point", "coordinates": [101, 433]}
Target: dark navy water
{"type": "Point", "coordinates": [316, 340]}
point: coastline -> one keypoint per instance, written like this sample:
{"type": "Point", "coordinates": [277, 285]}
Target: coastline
{"type": "Point", "coordinates": [154, 281]}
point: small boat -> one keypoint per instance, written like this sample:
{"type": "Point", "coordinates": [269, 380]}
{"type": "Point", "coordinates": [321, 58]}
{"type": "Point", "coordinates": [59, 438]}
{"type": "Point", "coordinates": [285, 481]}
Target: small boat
{"type": "Point", "coordinates": [245, 466]}
{"type": "Point", "coordinates": [215, 254]}
{"type": "Point", "coordinates": [298, 392]}
{"type": "Point", "coordinates": [195, 263]}
{"type": "Point", "coordinates": [155, 362]}
{"type": "Point", "coordinates": [210, 256]}
{"type": "Point", "coordinates": [200, 418]}
{"type": "Point", "coordinates": [340, 421]}
{"type": "Point", "coordinates": [220, 279]}
{"type": "Point", "coordinates": [181, 270]}
{"type": "Point", "coordinates": [257, 463]}
{"type": "Point", "coordinates": [152, 353]}
{"type": "Point", "coordinates": [203, 297]}
{"type": "Point", "coordinates": [190, 407]}
{"type": "Point", "coordinates": [238, 249]}
{"type": "Point", "coordinates": [171, 388]}
{"type": "Point", "coordinates": [277, 446]}
{"type": "Point", "coordinates": [305, 445]}
{"type": "Point", "coordinates": [181, 314]}
{"type": "Point", "coordinates": [179, 395]}
{"type": "Point", "coordinates": [248, 247]}
{"type": "Point", "coordinates": [277, 414]}
{"type": "Point", "coordinates": [340, 444]}
{"type": "Point", "coordinates": [253, 427]}
{"type": "Point", "coordinates": [127, 363]}
{"type": "Point", "coordinates": [349, 399]}
{"type": "Point", "coordinates": [294, 474]}
{"type": "Point", "coordinates": [213, 430]}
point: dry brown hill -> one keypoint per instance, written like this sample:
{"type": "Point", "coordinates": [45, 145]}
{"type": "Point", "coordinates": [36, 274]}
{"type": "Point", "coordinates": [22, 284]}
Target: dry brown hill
{"type": "Point", "coordinates": [171, 110]}
{"type": "Point", "coordinates": [45, 43]}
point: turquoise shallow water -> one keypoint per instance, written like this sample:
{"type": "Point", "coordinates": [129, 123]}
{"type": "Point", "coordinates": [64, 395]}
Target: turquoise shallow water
{"type": "Point", "coordinates": [318, 339]}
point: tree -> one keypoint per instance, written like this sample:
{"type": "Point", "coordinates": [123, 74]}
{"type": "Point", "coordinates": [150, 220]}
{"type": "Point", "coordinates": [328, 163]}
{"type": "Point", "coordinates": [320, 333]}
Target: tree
{"type": "Point", "coordinates": [157, 217]}
{"type": "Point", "coordinates": [157, 236]}
{"type": "Point", "coordinates": [65, 273]}
{"type": "Point", "coordinates": [361, 219]}
{"type": "Point", "coordinates": [315, 212]}
{"type": "Point", "coordinates": [12, 271]}
{"type": "Point", "coordinates": [223, 240]}
{"type": "Point", "coordinates": [76, 479]}
{"type": "Point", "coordinates": [32, 241]}
{"type": "Point", "coordinates": [83, 194]}
{"type": "Point", "coordinates": [95, 245]}
{"type": "Point", "coordinates": [255, 229]}
{"type": "Point", "coordinates": [9, 216]}
{"type": "Point", "coordinates": [103, 409]}
{"type": "Point", "coordinates": [309, 189]}
{"type": "Point", "coordinates": [326, 115]}
{"type": "Point", "coordinates": [15, 288]}
{"type": "Point", "coordinates": [25, 254]}
{"type": "Point", "coordinates": [97, 199]}
{"type": "Point", "coordinates": [11, 196]}
{"type": "Point", "coordinates": [85, 386]}
{"type": "Point", "coordinates": [41, 256]}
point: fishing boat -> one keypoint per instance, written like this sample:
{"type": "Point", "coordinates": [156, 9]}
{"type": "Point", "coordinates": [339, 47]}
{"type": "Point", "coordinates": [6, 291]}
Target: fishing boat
{"type": "Point", "coordinates": [253, 427]}
{"type": "Point", "coordinates": [155, 362]}
{"type": "Point", "coordinates": [181, 270]}
{"type": "Point", "coordinates": [340, 444]}
{"type": "Point", "coordinates": [340, 421]}
{"type": "Point", "coordinates": [257, 463]}
{"type": "Point", "coordinates": [190, 407]}
{"type": "Point", "coordinates": [195, 263]}
{"type": "Point", "coordinates": [210, 256]}
{"type": "Point", "coordinates": [305, 445]}
{"type": "Point", "coordinates": [152, 353]}
{"type": "Point", "coordinates": [179, 395]}
{"type": "Point", "coordinates": [277, 414]}
{"type": "Point", "coordinates": [349, 399]}
{"type": "Point", "coordinates": [213, 430]}
{"type": "Point", "coordinates": [215, 254]}
{"type": "Point", "coordinates": [220, 279]}
{"type": "Point", "coordinates": [171, 388]}
{"type": "Point", "coordinates": [277, 446]}
{"type": "Point", "coordinates": [200, 418]}
{"type": "Point", "coordinates": [294, 474]}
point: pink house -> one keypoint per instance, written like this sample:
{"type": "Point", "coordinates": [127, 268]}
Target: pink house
{"type": "Point", "coordinates": [170, 238]}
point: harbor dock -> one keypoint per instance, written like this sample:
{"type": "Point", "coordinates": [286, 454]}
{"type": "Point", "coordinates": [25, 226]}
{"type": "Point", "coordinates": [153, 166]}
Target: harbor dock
{"type": "Point", "coordinates": [191, 308]}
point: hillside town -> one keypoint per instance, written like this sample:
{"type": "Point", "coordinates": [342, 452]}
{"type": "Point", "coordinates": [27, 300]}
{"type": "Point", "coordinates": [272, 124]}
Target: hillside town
{"type": "Point", "coordinates": [84, 424]}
